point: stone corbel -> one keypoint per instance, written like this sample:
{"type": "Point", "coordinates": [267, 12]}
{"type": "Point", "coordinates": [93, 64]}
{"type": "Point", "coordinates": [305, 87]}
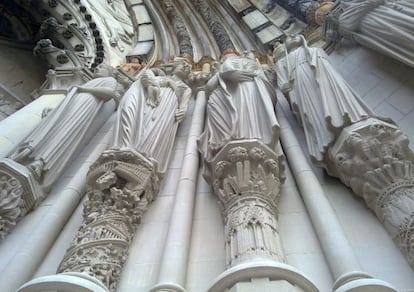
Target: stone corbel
{"type": "Point", "coordinates": [373, 158]}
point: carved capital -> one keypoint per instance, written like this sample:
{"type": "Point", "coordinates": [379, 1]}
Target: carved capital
{"type": "Point", "coordinates": [19, 193]}
{"type": "Point", "coordinates": [373, 158]}
{"type": "Point", "coordinates": [246, 178]}
{"type": "Point", "coordinates": [121, 186]}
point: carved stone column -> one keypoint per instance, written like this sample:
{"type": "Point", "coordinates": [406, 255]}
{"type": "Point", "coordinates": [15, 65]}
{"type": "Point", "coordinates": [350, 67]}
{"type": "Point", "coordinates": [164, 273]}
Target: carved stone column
{"type": "Point", "coordinates": [373, 158]}
{"type": "Point", "coordinates": [246, 179]}
{"type": "Point", "coordinates": [247, 176]}
{"type": "Point", "coordinates": [121, 185]}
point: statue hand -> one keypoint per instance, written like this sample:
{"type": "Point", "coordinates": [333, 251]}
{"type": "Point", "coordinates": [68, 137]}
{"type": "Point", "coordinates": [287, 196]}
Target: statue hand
{"type": "Point", "coordinates": [179, 114]}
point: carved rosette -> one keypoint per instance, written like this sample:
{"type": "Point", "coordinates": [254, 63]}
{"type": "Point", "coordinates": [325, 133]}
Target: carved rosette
{"type": "Point", "coordinates": [247, 175]}
{"type": "Point", "coordinates": [121, 186]}
{"type": "Point", "coordinates": [373, 158]}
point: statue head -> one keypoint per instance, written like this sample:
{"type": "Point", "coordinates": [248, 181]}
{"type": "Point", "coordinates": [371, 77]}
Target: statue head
{"type": "Point", "coordinates": [181, 68]}
{"type": "Point", "coordinates": [294, 41]}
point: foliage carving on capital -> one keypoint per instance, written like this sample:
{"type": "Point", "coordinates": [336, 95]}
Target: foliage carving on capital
{"type": "Point", "coordinates": [374, 159]}
{"type": "Point", "coordinates": [248, 167]}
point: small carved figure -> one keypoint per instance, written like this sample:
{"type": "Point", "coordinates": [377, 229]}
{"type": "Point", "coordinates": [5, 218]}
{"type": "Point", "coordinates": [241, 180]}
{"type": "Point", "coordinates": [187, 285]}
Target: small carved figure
{"type": "Point", "coordinates": [54, 56]}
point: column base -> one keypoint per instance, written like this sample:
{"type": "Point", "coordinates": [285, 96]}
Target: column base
{"type": "Point", "coordinates": [360, 282]}
{"type": "Point", "coordinates": [273, 271]}
{"type": "Point", "coordinates": [168, 287]}
{"type": "Point", "coordinates": [68, 282]}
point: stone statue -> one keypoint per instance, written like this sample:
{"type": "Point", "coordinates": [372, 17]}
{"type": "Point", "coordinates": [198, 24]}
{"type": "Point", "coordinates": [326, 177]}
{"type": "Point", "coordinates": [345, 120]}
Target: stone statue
{"type": "Point", "coordinates": [150, 112]}
{"type": "Point", "coordinates": [321, 99]}
{"type": "Point", "coordinates": [42, 156]}
{"type": "Point", "coordinates": [240, 105]}
{"type": "Point", "coordinates": [124, 180]}
{"type": "Point", "coordinates": [382, 25]}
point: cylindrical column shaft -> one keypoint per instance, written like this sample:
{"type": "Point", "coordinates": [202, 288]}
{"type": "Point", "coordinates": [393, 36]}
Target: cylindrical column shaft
{"type": "Point", "coordinates": [175, 258]}
{"type": "Point", "coordinates": [338, 251]}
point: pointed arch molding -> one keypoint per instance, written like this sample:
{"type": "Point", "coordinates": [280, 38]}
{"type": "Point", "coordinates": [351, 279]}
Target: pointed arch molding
{"type": "Point", "coordinates": [81, 31]}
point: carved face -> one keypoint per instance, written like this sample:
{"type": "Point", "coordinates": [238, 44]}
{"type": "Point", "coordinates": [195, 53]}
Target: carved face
{"type": "Point", "coordinates": [292, 42]}
{"type": "Point", "coordinates": [182, 68]}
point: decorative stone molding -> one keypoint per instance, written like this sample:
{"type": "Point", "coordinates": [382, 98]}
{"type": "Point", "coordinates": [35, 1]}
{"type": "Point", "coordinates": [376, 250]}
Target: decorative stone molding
{"type": "Point", "coordinates": [373, 158]}
{"type": "Point", "coordinates": [121, 186]}
{"type": "Point", "coordinates": [246, 179]}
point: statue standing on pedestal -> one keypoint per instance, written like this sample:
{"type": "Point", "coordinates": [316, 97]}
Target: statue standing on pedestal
{"type": "Point", "coordinates": [383, 25]}
{"type": "Point", "coordinates": [321, 99]}
{"type": "Point", "coordinates": [124, 180]}
{"type": "Point", "coordinates": [151, 111]}
{"type": "Point", "coordinates": [40, 159]}
{"type": "Point", "coordinates": [240, 105]}
{"type": "Point", "coordinates": [367, 153]}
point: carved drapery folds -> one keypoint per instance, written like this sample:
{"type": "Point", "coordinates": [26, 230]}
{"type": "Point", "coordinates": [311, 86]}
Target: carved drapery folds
{"type": "Point", "coordinates": [121, 185]}
{"type": "Point", "coordinates": [246, 178]}
{"type": "Point", "coordinates": [373, 158]}
{"type": "Point", "coordinates": [382, 25]}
